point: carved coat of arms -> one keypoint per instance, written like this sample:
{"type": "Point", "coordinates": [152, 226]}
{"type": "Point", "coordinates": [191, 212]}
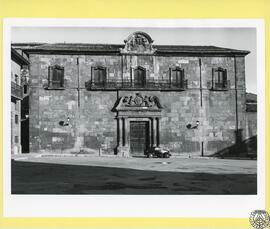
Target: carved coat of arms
{"type": "Point", "coordinates": [140, 101]}
{"type": "Point", "coordinates": [138, 42]}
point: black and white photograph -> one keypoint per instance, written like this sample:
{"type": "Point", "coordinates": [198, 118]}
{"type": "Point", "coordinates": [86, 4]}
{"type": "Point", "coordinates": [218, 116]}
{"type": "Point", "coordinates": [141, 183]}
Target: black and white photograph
{"type": "Point", "coordinates": [152, 111]}
{"type": "Point", "coordinates": [161, 118]}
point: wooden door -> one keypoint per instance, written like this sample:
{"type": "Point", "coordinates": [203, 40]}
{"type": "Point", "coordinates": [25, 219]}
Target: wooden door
{"type": "Point", "coordinates": [139, 137]}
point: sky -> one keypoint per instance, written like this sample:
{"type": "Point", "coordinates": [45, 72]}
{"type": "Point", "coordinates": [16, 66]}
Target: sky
{"type": "Point", "coordinates": [236, 38]}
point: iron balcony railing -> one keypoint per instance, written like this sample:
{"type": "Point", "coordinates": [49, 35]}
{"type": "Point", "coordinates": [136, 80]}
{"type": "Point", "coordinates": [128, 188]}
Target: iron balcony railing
{"type": "Point", "coordinates": [16, 91]}
{"type": "Point", "coordinates": [124, 84]}
{"type": "Point", "coordinates": [219, 86]}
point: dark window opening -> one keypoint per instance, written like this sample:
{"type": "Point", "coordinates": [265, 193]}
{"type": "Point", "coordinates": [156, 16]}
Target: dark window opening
{"type": "Point", "coordinates": [56, 77]}
{"type": "Point", "coordinates": [16, 139]}
{"type": "Point", "coordinates": [16, 79]}
{"type": "Point", "coordinates": [219, 78]}
{"type": "Point", "coordinates": [99, 76]}
{"type": "Point", "coordinates": [139, 77]}
{"type": "Point", "coordinates": [177, 78]}
{"type": "Point", "coordinates": [25, 89]}
{"type": "Point", "coordinates": [16, 119]}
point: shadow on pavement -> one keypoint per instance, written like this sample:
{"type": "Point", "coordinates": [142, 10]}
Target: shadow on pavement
{"type": "Point", "coordinates": [45, 178]}
{"type": "Point", "coordinates": [242, 149]}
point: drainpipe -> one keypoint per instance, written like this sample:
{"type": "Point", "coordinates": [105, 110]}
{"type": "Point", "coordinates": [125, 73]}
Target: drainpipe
{"type": "Point", "coordinates": [200, 64]}
{"type": "Point", "coordinates": [79, 139]}
{"type": "Point", "coordinates": [122, 72]}
{"type": "Point", "coordinates": [236, 99]}
{"type": "Point", "coordinates": [78, 88]}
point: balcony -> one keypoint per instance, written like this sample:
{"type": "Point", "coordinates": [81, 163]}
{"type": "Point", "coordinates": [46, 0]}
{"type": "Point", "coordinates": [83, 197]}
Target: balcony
{"type": "Point", "coordinates": [16, 91]}
{"type": "Point", "coordinates": [218, 86]}
{"type": "Point", "coordinates": [158, 85]}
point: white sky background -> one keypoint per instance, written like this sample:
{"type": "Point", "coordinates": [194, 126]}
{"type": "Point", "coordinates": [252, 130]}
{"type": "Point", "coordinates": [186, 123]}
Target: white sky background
{"type": "Point", "coordinates": [236, 38]}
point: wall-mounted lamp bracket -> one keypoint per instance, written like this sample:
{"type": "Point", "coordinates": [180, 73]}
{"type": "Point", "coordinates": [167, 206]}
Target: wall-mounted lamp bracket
{"type": "Point", "coordinates": [195, 126]}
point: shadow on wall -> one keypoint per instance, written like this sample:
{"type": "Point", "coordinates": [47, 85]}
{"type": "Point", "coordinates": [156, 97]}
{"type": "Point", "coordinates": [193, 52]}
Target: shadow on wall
{"type": "Point", "coordinates": [241, 149]}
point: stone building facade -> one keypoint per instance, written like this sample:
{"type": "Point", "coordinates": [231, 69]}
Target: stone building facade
{"type": "Point", "coordinates": [121, 99]}
{"type": "Point", "coordinates": [19, 61]}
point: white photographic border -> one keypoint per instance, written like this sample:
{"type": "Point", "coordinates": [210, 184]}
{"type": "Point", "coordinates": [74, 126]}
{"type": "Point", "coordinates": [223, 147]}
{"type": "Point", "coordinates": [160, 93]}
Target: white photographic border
{"type": "Point", "coordinates": [233, 206]}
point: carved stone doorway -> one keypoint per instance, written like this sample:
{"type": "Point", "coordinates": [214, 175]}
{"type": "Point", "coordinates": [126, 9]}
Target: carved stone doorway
{"type": "Point", "coordinates": [138, 120]}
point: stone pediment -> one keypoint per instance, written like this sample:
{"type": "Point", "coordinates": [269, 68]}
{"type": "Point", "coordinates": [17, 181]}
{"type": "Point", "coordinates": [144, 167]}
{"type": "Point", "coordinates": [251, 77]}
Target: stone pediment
{"type": "Point", "coordinates": [138, 43]}
{"type": "Point", "coordinates": [138, 102]}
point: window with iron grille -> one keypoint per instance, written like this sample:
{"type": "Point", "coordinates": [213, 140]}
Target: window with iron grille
{"type": "Point", "coordinates": [177, 77]}
{"type": "Point", "coordinates": [219, 78]}
{"type": "Point", "coordinates": [56, 77]}
{"type": "Point", "coordinates": [99, 76]}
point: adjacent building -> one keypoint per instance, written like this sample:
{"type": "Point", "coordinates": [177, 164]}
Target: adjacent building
{"type": "Point", "coordinates": [19, 64]}
{"type": "Point", "coordinates": [106, 99]}
{"type": "Point", "coordinates": [251, 109]}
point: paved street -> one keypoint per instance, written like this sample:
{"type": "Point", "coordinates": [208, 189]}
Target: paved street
{"type": "Point", "coordinates": [111, 175]}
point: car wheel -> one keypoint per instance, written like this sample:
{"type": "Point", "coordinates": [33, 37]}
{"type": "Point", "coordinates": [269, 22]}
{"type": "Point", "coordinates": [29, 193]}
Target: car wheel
{"type": "Point", "coordinates": [166, 155]}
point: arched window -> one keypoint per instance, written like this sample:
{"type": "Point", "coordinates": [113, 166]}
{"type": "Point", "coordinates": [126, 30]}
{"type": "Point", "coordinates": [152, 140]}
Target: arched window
{"type": "Point", "coordinates": [177, 77]}
{"type": "Point", "coordinates": [139, 77]}
{"type": "Point", "coordinates": [99, 76]}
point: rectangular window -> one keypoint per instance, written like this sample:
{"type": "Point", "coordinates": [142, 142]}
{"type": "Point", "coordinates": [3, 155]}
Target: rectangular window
{"type": "Point", "coordinates": [56, 77]}
{"type": "Point", "coordinates": [16, 139]}
{"type": "Point", "coordinates": [16, 79]}
{"type": "Point", "coordinates": [139, 77]}
{"type": "Point", "coordinates": [177, 78]}
{"type": "Point", "coordinates": [17, 106]}
{"type": "Point", "coordinates": [16, 119]}
{"type": "Point", "coordinates": [219, 79]}
{"type": "Point", "coordinates": [99, 76]}
{"type": "Point", "coordinates": [25, 89]}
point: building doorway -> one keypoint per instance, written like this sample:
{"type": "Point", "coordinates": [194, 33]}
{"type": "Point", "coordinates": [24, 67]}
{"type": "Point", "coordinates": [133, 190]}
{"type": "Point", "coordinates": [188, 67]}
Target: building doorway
{"type": "Point", "coordinates": [139, 137]}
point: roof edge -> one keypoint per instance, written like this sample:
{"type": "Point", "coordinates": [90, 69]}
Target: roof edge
{"type": "Point", "coordinates": [18, 57]}
{"type": "Point", "coordinates": [115, 48]}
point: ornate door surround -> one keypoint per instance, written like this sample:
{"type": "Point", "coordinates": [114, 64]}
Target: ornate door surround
{"type": "Point", "coordinates": [136, 108]}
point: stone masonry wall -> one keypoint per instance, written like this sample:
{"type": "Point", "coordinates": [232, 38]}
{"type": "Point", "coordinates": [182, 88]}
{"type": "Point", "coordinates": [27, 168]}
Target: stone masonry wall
{"type": "Point", "coordinates": [92, 126]}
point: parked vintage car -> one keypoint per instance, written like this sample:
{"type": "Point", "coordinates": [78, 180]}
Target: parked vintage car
{"type": "Point", "coordinates": [157, 152]}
